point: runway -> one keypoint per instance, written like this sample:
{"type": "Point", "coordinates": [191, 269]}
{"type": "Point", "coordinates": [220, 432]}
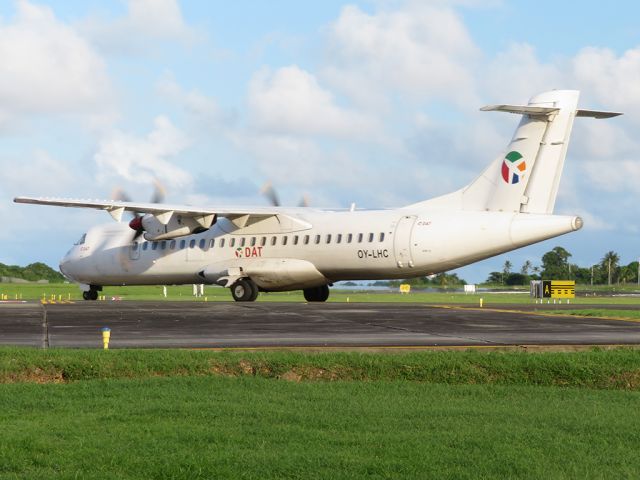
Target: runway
{"type": "Point", "coordinates": [265, 324]}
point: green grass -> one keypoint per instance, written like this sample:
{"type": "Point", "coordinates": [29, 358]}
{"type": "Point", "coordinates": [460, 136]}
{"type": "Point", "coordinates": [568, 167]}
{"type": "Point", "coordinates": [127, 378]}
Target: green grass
{"type": "Point", "coordinates": [204, 414]}
{"type": "Point", "coordinates": [254, 428]}
{"type": "Point", "coordinates": [213, 293]}
{"type": "Point", "coordinates": [595, 312]}
{"type": "Point", "coordinates": [595, 369]}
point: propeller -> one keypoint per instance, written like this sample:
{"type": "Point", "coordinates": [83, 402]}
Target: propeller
{"type": "Point", "coordinates": [268, 191]}
{"type": "Point", "coordinates": [135, 224]}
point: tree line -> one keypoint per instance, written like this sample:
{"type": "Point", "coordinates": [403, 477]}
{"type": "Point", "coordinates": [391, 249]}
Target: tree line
{"type": "Point", "coordinates": [556, 265]}
{"type": "Point", "coordinates": [33, 272]}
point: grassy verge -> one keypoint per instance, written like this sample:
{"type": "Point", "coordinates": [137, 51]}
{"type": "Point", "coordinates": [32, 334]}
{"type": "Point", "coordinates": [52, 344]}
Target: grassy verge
{"type": "Point", "coordinates": [595, 312]}
{"type": "Point", "coordinates": [16, 291]}
{"type": "Point", "coordinates": [203, 414]}
{"type": "Point", "coordinates": [597, 369]}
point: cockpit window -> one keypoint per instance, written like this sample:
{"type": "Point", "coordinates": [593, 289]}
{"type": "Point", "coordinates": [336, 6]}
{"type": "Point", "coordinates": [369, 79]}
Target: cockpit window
{"type": "Point", "coordinates": [82, 239]}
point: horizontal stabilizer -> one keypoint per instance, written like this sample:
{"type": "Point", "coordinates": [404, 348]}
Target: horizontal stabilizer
{"type": "Point", "coordinates": [596, 114]}
{"type": "Point", "coordinates": [520, 109]}
{"type": "Point", "coordinates": [534, 111]}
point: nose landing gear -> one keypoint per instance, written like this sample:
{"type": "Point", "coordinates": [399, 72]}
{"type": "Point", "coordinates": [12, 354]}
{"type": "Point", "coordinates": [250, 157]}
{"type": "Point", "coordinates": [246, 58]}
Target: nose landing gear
{"type": "Point", "coordinates": [92, 293]}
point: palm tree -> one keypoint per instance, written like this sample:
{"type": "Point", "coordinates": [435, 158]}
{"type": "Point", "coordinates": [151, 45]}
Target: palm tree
{"type": "Point", "coordinates": [526, 266]}
{"type": "Point", "coordinates": [507, 267]}
{"type": "Point", "coordinates": [609, 264]}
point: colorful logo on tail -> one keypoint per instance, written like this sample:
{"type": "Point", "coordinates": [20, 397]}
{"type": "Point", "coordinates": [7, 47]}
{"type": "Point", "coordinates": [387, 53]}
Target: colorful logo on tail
{"type": "Point", "coordinates": [513, 167]}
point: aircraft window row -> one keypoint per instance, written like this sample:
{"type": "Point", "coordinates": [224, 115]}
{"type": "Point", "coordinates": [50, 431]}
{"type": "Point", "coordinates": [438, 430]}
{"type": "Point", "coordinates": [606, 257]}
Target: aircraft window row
{"type": "Point", "coordinates": [242, 241]}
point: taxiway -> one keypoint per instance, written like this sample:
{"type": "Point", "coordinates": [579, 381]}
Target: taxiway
{"type": "Point", "coordinates": [265, 324]}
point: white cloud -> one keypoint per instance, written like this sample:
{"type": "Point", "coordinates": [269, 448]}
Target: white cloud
{"type": "Point", "coordinates": [146, 23]}
{"type": "Point", "coordinates": [614, 175]}
{"type": "Point", "coordinates": [610, 79]}
{"type": "Point", "coordinates": [46, 67]}
{"type": "Point", "coordinates": [200, 107]}
{"type": "Point", "coordinates": [291, 101]}
{"type": "Point", "coordinates": [419, 51]}
{"type": "Point", "coordinates": [516, 74]}
{"type": "Point", "coordinates": [141, 160]}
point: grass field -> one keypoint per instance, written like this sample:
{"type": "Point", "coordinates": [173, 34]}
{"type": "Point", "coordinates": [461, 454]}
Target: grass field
{"type": "Point", "coordinates": [608, 313]}
{"type": "Point", "coordinates": [201, 414]}
{"type": "Point", "coordinates": [34, 291]}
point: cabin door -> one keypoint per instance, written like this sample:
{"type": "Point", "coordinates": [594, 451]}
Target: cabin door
{"type": "Point", "coordinates": [402, 241]}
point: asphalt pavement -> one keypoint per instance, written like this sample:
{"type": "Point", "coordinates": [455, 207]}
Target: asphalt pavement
{"type": "Point", "coordinates": [266, 324]}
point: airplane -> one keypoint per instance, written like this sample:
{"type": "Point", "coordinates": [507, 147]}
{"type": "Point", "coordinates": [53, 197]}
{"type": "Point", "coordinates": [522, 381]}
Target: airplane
{"type": "Point", "coordinates": [270, 249]}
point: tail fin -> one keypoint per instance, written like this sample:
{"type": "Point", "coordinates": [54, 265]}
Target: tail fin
{"type": "Point", "coordinates": [525, 178]}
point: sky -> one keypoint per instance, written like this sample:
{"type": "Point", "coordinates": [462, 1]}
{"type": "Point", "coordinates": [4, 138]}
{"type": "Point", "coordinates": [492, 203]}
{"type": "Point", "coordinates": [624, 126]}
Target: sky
{"type": "Point", "coordinates": [372, 102]}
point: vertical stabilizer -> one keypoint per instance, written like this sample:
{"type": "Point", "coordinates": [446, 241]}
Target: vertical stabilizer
{"type": "Point", "coordinates": [525, 177]}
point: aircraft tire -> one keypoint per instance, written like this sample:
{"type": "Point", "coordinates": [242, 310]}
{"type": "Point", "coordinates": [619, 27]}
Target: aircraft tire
{"type": "Point", "coordinates": [255, 293]}
{"type": "Point", "coordinates": [244, 290]}
{"type": "Point", "coordinates": [316, 294]}
{"type": "Point", "coordinates": [90, 295]}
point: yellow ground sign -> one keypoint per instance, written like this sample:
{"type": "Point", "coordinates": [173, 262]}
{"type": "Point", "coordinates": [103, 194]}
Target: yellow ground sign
{"type": "Point", "coordinates": [559, 289]}
{"type": "Point", "coordinates": [405, 288]}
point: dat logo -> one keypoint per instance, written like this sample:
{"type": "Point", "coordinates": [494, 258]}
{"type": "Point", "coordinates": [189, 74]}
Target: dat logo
{"type": "Point", "coordinates": [248, 252]}
{"type": "Point", "coordinates": [513, 167]}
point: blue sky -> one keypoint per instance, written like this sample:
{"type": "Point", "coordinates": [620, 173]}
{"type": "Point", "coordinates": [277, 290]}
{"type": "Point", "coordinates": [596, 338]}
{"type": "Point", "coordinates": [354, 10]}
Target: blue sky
{"type": "Point", "coordinates": [368, 102]}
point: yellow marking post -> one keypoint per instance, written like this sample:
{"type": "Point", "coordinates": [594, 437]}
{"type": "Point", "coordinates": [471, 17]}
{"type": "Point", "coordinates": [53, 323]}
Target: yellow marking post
{"type": "Point", "coordinates": [106, 336]}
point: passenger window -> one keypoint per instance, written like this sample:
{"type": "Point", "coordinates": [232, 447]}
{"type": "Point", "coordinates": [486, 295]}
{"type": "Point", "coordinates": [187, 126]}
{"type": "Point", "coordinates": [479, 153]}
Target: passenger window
{"type": "Point", "coordinates": [145, 245]}
{"type": "Point", "coordinates": [183, 243]}
{"type": "Point", "coordinates": [284, 240]}
{"type": "Point", "coordinates": [329, 238]}
{"type": "Point", "coordinates": [339, 238]}
{"type": "Point", "coordinates": [203, 242]}
{"type": "Point", "coordinates": [382, 237]}
{"type": "Point", "coordinates": [221, 242]}
{"type": "Point", "coordinates": [371, 237]}
{"type": "Point", "coordinates": [317, 239]}
{"type": "Point", "coordinates": [360, 237]}
{"type": "Point", "coordinates": [253, 241]}
{"type": "Point", "coordinates": [154, 245]}
{"type": "Point", "coordinates": [306, 239]}
{"type": "Point", "coordinates": [273, 240]}
{"type": "Point", "coordinates": [163, 245]}
{"type": "Point", "coordinates": [192, 243]}
{"type": "Point", "coordinates": [242, 241]}
{"type": "Point", "coordinates": [263, 241]}
{"type": "Point", "coordinates": [295, 239]}
{"type": "Point", "coordinates": [350, 238]}
{"type": "Point", "coordinates": [172, 244]}
{"type": "Point", "coordinates": [212, 243]}
{"type": "Point", "coordinates": [232, 242]}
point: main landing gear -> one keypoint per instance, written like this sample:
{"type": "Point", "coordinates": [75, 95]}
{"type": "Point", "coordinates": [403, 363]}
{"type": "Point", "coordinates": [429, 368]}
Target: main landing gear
{"type": "Point", "coordinates": [92, 293]}
{"type": "Point", "coordinates": [316, 294]}
{"type": "Point", "coordinates": [244, 290]}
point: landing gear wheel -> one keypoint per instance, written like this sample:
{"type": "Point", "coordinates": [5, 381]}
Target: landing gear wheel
{"type": "Point", "coordinates": [316, 294]}
{"type": "Point", "coordinates": [90, 294]}
{"type": "Point", "coordinates": [244, 290]}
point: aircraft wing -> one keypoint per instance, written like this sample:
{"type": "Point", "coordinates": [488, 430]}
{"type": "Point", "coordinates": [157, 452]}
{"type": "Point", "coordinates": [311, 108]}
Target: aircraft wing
{"type": "Point", "coordinates": [239, 215]}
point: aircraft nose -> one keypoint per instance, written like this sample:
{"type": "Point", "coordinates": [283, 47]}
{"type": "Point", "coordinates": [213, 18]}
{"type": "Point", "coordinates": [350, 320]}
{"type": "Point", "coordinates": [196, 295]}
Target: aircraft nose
{"type": "Point", "coordinates": [65, 267]}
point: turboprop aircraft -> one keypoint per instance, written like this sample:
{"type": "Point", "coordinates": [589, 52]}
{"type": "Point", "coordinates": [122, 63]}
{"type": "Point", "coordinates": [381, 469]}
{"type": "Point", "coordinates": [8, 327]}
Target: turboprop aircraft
{"type": "Point", "coordinates": [270, 249]}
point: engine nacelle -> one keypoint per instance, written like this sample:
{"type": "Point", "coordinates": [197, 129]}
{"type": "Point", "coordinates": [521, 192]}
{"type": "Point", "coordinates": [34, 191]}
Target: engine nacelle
{"type": "Point", "coordinates": [172, 225]}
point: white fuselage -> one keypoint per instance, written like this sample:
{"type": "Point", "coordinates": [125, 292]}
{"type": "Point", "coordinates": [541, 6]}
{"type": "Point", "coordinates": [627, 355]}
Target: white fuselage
{"type": "Point", "coordinates": [320, 248]}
